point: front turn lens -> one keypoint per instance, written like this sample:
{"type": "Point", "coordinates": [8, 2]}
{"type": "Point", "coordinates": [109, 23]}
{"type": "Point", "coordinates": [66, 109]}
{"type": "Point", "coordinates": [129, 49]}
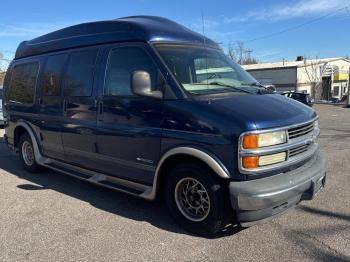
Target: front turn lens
{"type": "Point", "coordinates": [250, 162]}
{"type": "Point", "coordinates": [250, 141]}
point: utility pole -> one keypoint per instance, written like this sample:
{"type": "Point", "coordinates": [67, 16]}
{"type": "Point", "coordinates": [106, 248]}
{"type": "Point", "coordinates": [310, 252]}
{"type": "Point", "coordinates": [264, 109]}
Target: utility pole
{"type": "Point", "coordinates": [248, 52]}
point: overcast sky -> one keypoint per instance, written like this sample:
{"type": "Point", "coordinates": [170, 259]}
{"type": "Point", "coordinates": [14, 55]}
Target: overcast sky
{"type": "Point", "coordinates": [272, 29]}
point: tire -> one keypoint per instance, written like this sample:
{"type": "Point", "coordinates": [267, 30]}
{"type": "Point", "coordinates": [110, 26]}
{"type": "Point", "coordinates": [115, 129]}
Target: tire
{"type": "Point", "coordinates": [211, 217]}
{"type": "Point", "coordinates": [26, 154]}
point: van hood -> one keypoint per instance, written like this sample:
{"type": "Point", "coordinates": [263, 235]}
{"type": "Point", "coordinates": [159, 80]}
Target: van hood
{"type": "Point", "coordinates": [263, 111]}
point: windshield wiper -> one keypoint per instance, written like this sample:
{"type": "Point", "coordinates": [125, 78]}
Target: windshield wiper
{"type": "Point", "coordinates": [252, 84]}
{"type": "Point", "coordinates": [230, 86]}
{"type": "Point", "coordinates": [261, 88]}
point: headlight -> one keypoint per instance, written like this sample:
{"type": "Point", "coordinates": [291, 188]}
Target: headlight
{"type": "Point", "coordinates": [253, 141]}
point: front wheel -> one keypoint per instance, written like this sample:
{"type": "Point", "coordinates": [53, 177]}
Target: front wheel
{"type": "Point", "coordinates": [196, 199]}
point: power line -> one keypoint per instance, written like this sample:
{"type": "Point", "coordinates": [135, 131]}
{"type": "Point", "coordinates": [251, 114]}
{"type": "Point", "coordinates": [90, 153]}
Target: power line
{"type": "Point", "coordinates": [298, 26]}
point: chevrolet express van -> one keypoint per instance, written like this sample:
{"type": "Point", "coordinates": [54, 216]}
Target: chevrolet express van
{"type": "Point", "coordinates": [1, 114]}
{"type": "Point", "coordinates": [148, 107]}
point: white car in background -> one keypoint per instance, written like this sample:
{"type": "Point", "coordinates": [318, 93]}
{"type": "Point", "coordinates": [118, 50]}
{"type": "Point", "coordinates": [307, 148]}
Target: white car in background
{"type": "Point", "coordinates": [1, 115]}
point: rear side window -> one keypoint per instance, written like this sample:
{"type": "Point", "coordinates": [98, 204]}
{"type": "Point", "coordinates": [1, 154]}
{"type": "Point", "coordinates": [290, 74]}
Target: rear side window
{"type": "Point", "coordinates": [23, 81]}
{"type": "Point", "coordinates": [79, 73]}
{"type": "Point", "coordinates": [52, 75]}
{"type": "Point", "coordinates": [123, 62]}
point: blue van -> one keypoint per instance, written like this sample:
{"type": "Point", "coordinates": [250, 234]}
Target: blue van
{"type": "Point", "coordinates": [148, 107]}
{"type": "Point", "coordinates": [1, 115]}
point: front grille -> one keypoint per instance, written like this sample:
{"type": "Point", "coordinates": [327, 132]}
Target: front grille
{"type": "Point", "coordinates": [300, 130]}
{"type": "Point", "coordinates": [298, 150]}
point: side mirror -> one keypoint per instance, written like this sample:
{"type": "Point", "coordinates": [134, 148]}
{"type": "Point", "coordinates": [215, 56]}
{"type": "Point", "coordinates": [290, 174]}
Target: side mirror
{"type": "Point", "coordinates": [270, 88]}
{"type": "Point", "coordinates": [141, 85]}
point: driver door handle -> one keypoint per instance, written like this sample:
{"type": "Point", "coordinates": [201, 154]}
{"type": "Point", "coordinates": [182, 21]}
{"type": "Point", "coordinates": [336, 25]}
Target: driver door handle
{"type": "Point", "coordinates": [100, 110]}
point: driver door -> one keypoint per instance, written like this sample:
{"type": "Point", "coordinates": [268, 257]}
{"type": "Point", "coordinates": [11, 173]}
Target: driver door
{"type": "Point", "coordinates": [129, 126]}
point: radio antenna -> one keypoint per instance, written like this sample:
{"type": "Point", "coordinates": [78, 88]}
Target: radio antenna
{"type": "Point", "coordinates": [203, 27]}
{"type": "Point", "coordinates": [205, 48]}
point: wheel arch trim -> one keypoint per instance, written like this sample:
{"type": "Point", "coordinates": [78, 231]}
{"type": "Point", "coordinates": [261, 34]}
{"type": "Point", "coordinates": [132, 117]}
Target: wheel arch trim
{"type": "Point", "coordinates": [38, 157]}
{"type": "Point", "coordinates": [213, 162]}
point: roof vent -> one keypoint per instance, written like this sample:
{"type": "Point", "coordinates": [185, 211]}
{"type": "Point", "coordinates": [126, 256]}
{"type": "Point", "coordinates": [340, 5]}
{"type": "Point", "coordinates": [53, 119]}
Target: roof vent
{"type": "Point", "coordinates": [300, 58]}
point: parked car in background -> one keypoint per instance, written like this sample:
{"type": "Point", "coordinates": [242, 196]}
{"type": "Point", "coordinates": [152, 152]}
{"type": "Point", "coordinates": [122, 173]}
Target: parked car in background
{"type": "Point", "coordinates": [1, 113]}
{"type": "Point", "coordinates": [344, 99]}
{"type": "Point", "coordinates": [301, 97]}
{"type": "Point", "coordinates": [125, 104]}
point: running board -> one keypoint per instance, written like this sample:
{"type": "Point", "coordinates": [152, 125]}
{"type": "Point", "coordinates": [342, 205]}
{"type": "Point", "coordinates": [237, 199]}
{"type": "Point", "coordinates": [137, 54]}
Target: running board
{"type": "Point", "coordinates": [118, 184]}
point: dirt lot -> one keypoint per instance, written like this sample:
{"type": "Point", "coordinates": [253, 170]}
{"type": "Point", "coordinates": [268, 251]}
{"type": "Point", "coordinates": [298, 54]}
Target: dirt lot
{"type": "Point", "coordinates": [52, 217]}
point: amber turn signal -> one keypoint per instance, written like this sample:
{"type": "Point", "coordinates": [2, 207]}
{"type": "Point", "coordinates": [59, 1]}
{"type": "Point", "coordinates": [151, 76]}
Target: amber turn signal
{"type": "Point", "coordinates": [250, 141]}
{"type": "Point", "coordinates": [250, 162]}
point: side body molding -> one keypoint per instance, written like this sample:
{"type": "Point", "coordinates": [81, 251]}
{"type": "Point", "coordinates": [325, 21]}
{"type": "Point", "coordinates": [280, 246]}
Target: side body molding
{"type": "Point", "coordinates": [150, 192]}
{"type": "Point", "coordinates": [211, 161]}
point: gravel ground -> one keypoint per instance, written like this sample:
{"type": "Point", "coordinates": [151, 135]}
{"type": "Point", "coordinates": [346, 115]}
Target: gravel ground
{"type": "Point", "coordinates": [52, 217]}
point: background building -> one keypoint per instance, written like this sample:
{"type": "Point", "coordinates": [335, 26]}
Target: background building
{"type": "Point", "coordinates": [322, 78]}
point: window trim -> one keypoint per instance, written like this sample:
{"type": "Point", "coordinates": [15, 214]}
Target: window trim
{"type": "Point", "coordinates": [63, 83]}
{"type": "Point", "coordinates": [126, 45]}
{"type": "Point", "coordinates": [36, 61]}
{"type": "Point", "coordinates": [61, 77]}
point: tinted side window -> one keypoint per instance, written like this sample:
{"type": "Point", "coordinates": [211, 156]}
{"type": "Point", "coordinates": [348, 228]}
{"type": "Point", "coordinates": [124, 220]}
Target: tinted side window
{"type": "Point", "coordinates": [23, 83]}
{"type": "Point", "coordinates": [79, 73]}
{"type": "Point", "coordinates": [52, 75]}
{"type": "Point", "coordinates": [122, 63]}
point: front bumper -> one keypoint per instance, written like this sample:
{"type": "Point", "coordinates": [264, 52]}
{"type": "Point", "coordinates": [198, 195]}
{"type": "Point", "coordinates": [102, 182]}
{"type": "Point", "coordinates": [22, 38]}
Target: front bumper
{"type": "Point", "coordinates": [259, 200]}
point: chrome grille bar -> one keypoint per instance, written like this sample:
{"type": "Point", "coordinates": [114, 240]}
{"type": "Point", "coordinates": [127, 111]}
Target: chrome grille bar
{"type": "Point", "coordinates": [298, 150]}
{"type": "Point", "coordinates": [300, 131]}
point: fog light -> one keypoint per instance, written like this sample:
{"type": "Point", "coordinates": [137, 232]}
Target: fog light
{"type": "Point", "coordinates": [272, 159]}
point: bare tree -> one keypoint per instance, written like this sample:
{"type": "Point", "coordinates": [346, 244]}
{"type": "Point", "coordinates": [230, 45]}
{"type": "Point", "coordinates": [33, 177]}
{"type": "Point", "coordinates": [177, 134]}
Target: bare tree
{"type": "Point", "coordinates": [240, 54]}
{"type": "Point", "coordinates": [250, 60]}
{"type": "Point", "coordinates": [2, 76]}
{"type": "Point", "coordinates": [231, 52]}
{"type": "Point", "coordinates": [314, 70]}
{"type": "Point", "coordinates": [241, 51]}
{"type": "Point", "coordinates": [4, 63]}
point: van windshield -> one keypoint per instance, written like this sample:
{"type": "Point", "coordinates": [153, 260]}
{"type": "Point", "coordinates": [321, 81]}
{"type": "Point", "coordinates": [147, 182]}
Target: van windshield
{"type": "Point", "coordinates": [202, 70]}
